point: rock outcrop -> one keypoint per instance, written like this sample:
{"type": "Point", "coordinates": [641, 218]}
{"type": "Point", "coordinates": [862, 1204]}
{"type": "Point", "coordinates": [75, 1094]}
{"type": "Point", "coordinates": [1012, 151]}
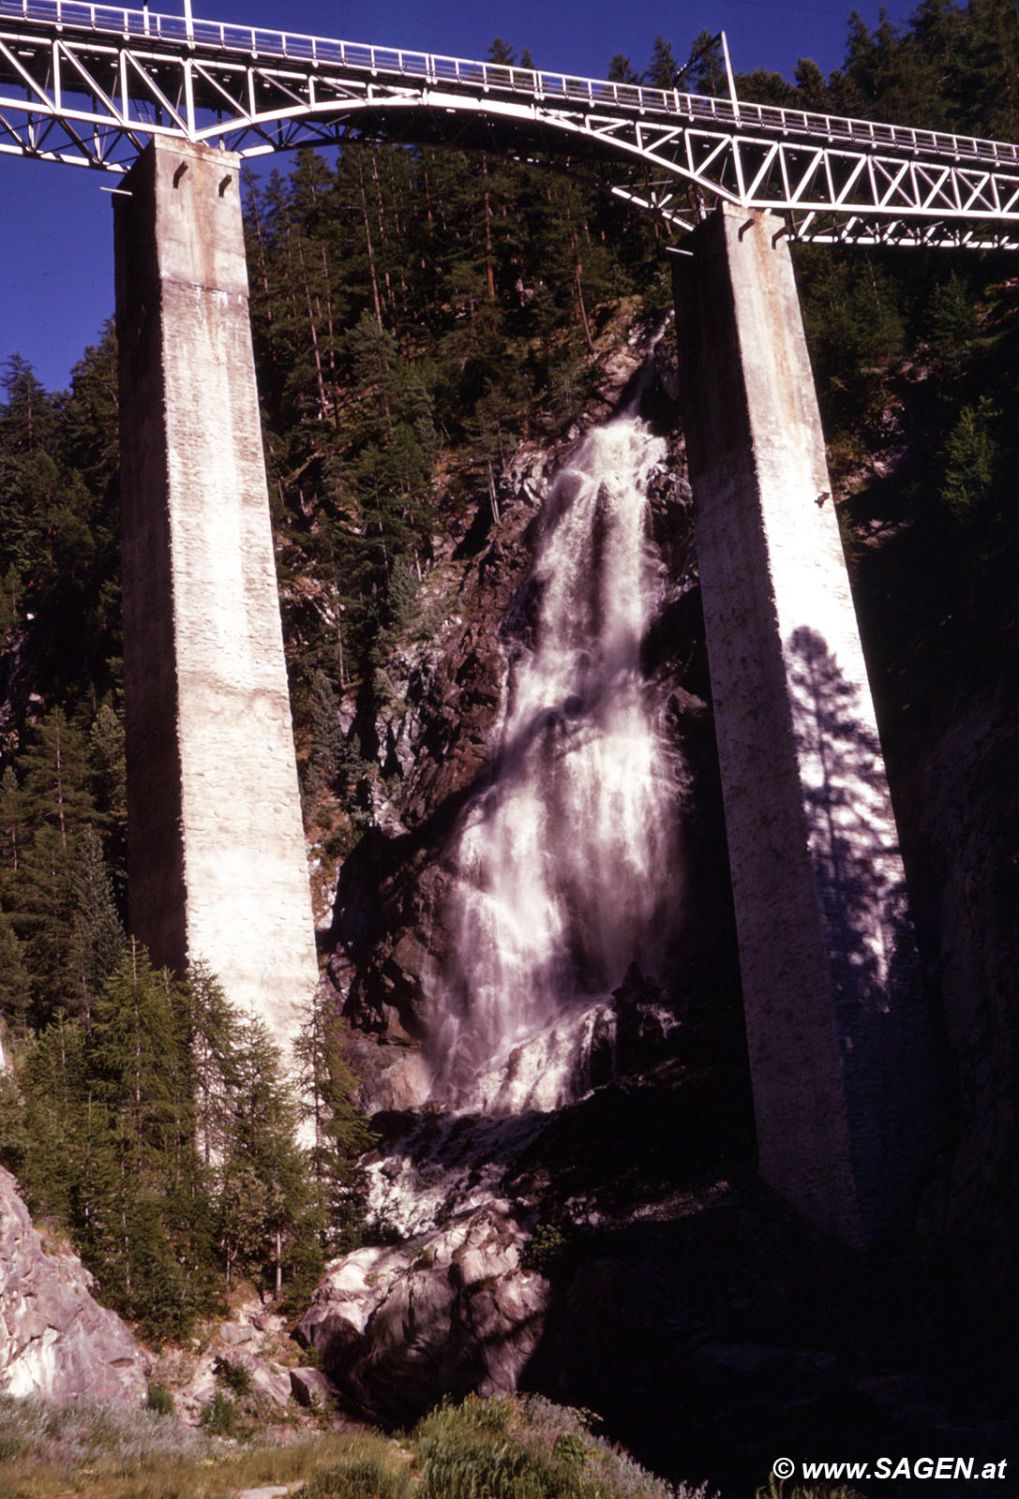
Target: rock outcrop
{"type": "Point", "coordinates": [312, 1388]}
{"type": "Point", "coordinates": [56, 1341]}
{"type": "Point", "coordinates": [449, 1312]}
{"type": "Point", "coordinates": [246, 1358]}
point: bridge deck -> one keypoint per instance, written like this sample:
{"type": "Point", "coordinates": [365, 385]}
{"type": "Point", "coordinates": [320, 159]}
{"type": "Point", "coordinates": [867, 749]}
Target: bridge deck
{"type": "Point", "coordinates": [391, 64]}
{"type": "Point", "coordinates": [89, 84]}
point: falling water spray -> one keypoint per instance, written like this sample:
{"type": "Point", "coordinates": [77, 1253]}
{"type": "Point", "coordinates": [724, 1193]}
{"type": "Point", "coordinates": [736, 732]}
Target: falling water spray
{"type": "Point", "coordinates": [566, 864]}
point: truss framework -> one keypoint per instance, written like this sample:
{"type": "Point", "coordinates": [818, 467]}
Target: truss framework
{"type": "Point", "coordinates": [90, 84]}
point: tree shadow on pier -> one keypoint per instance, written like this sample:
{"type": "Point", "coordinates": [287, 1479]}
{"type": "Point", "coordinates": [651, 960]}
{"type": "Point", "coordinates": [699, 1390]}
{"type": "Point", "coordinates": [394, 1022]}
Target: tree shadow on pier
{"type": "Point", "coordinates": [884, 1031]}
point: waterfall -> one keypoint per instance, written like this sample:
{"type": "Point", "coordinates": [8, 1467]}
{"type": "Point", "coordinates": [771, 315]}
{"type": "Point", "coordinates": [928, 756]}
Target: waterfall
{"type": "Point", "coordinates": [565, 863]}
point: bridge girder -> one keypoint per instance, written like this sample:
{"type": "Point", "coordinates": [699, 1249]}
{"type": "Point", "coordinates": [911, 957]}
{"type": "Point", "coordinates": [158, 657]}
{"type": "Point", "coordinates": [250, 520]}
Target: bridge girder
{"type": "Point", "coordinates": [92, 95]}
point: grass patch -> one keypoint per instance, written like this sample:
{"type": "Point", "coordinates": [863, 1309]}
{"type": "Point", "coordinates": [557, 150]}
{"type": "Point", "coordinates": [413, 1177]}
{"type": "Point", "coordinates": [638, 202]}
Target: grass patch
{"type": "Point", "coordinates": [374, 1468]}
{"type": "Point", "coordinates": [51, 1452]}
{"type": "Point", "coordinates": [503, 1448]}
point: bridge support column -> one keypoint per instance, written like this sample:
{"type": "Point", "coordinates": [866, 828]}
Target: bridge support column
{"type": "Point", "coordinates": [838, 1039]}
{"type": "Point", "coordinates": [218, 871]}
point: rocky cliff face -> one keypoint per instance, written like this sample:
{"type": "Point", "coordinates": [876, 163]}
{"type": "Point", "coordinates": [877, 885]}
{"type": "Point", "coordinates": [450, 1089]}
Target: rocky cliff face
{"type": "Point", "coordinates": [55, 1340]}
{"type": "Point", "coordinates": [941, 637]}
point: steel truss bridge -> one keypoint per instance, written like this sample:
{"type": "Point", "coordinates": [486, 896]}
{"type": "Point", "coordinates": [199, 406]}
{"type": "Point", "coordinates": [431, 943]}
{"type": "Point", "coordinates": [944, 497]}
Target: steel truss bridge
{"type": "Point", "coordinates": [91, 84]}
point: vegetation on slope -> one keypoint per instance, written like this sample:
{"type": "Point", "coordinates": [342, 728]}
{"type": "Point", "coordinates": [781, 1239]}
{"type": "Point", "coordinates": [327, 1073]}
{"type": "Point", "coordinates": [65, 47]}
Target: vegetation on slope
{"type": "Point", "coordinates": [504, 1448]}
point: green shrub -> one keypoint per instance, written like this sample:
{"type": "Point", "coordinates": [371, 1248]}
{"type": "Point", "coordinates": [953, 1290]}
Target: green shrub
{"type": "Point", "coordinates": [475, 1465]}
{"type": "Point", "coordinates": [570, 1448]}
{"type": "Point", "coordinates": [219, 1418]}
{"type": "Point", "coordinates": [523, 1448]}
{"type": "Point", "coordinates": [234, 1376]}
{"type": "Point", "coordinates": [548, 1246]}
{"type": "Point", "coordinates": [776, 1489]}
{"type": "Point", "coordinates": [160, 1400]}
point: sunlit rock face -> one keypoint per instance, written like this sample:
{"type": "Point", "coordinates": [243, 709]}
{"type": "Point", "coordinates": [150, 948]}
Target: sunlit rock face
{"type": "Point", "coordinates": [458, 1313]}
{"type": "Point", "coordinates": [56, 1342]}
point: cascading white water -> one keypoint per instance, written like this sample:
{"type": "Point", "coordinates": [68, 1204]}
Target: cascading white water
{"type": "Point", "coordinates": [566, 863]}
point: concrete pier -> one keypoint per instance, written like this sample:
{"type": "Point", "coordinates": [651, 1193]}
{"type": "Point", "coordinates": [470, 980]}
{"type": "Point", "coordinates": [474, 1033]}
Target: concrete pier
{"type": "Point", "coordinates": [838, 1038]}
{"type": "Point", "coordinates": [218, 871]}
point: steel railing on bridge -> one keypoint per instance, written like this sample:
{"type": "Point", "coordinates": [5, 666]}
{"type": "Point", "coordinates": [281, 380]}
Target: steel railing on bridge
{"type": "Point", "coordinates": [535, 84]}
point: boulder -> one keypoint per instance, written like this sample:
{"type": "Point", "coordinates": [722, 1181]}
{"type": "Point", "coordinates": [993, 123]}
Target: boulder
{"type": "Point", "coordinates": [451, 1311]}
{"type": "Point", "coordinates": [267, 1378]}
{"type": "Point", "coordinates": [233, 1334]}
{"type": "Point", "coordinates": [56, 1341]}
{"type": "Point", "coordinates": [311, 1387]}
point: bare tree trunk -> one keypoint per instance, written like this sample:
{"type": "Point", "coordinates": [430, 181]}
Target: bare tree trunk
{"type": "Point", "coordinates": [331, 326]}
{"type": "Point", "coordinates": [263, 269]}
{"type": "Point", "coordinates": [323, 403]}
{"type": "Point", "coordinates": [383, 241]}
{"type": "Point", "coordinates": [579, 283]}
{"type": "Point", "coordinates": [376, 300]}
{"type": "Point", "coordinates": [489, 241]}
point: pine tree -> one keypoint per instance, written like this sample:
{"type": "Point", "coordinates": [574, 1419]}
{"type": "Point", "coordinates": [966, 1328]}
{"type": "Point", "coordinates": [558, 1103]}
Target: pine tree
{"type": "Point", "coordinates": [56, 792]}
{"type": "Point", "coordinates": [971, 453]}
{"type": "Point", "coordinates": [211, 1037]}
{"type": "Point", "coordinates": [11, 589]}
{"type": "Point", "coordinates": [98, 937]}
{"type": "Point", "coordinates": [501, 52]}
{"type": "Point", "coordinates": [144, 1206]}
{"type": "Point", "coordinates": [109, 769]}
{"type": "Point", "coordinates": [55, 809]}
{"type": "Point", "coordinates": [15, 989]}
{"type": "Point", "coordinates": [328, 745]}
{"type": "Point", "coordinates": [53, 1075]}
{"type": "Point", "coordinates": [341, 1133]}
{"type": "Point", "coordinates": [662, 68]}
{"type": "Point", "coordinates": [266, 1202]}
{"type": "Point", "coordinates": [621, 70]}
{"type": "Point", "coordinates": [12, 829]}
{"type": "Point", "coordinates": [705, 72]}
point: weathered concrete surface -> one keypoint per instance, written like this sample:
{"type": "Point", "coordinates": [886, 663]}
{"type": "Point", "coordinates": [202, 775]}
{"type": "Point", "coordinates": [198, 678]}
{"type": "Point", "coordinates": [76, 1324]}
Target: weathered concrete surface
{"type": "Point", "coordinates": [217, 863]}
{"type": "Point", "coordinates": [56, 1342]}
{"type": "Point", "coordinates": [837, 1033]}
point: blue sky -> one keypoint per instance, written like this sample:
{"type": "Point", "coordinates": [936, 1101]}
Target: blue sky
{"type": "Point", "coordinates": [56, 248]}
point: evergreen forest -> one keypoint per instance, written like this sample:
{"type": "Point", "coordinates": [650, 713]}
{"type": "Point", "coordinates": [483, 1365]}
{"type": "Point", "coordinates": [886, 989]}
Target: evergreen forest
{"type": "Point", "coordinates": [417, 314]}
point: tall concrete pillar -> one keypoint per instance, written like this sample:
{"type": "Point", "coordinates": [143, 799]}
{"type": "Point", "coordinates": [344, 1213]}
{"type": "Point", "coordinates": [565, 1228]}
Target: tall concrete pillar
{"type": "Point", "coordinates": [217, 864]}
{"type": "Point", "coordinates": [838, 1039]}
